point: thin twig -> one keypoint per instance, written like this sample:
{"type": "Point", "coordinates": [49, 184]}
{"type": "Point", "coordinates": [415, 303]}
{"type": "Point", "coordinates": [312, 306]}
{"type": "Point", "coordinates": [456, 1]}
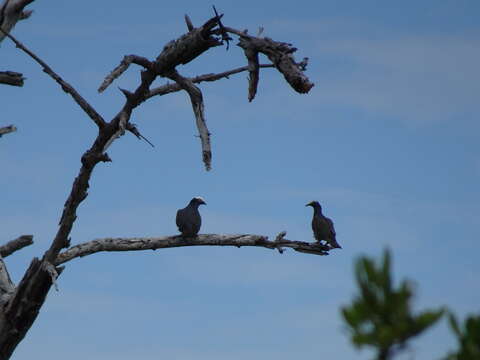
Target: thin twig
{"type": "Point", "coordinates": [170, 88]}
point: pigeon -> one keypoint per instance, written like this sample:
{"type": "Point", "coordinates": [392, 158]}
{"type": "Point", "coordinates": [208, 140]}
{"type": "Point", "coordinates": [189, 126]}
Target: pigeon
{"type": "Point", "coordinates": [322, 226]}
{"type": "Point", "coordinates": [188, 219]}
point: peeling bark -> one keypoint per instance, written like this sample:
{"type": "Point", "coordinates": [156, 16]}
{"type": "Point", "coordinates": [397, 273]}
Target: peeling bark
{"type": "Point", "coordinates": [165, 242]}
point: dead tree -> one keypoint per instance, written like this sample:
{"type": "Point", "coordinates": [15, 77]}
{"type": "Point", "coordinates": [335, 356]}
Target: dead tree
{"type": "Point", "coordinates": [21, 303]}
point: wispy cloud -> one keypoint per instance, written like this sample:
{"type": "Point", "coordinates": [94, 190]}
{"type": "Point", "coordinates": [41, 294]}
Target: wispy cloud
{"type": "Point", "coordinates": [420, 79]}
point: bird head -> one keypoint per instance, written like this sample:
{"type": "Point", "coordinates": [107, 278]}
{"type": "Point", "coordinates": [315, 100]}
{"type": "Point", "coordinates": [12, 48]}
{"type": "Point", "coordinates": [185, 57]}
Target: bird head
{"type": "Point", "coordinates": [314, 204]}
{"type": "Point", "coordinates": [198, 201]}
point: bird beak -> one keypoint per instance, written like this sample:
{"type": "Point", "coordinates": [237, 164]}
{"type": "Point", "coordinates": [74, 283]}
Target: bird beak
{"type": "Point", "coordinates": [203, 202]}
{"type": "Point", "coordinates": [309, 204]}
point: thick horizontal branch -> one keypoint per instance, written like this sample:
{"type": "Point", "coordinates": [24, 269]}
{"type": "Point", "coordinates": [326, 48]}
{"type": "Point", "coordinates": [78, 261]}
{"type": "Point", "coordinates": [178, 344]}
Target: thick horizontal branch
{"type": "Point", "coordinates": [86, 107]}
{"type": "Point", "coordinates": [17, 244]}
{"type": "Point", "coordinates": [11, 78]}
{"type": "Point", "coordinates": [7, 129]}
{"type": "Point", "coordinates": [165, 242]}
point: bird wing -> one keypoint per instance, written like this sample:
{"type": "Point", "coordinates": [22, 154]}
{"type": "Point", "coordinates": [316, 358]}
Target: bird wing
{"type": "Point", "coordinates": [180, 220]}
{"type": "Point", "coordinates": [331, 227]}
{"type": "Point", "coordinates": [316, 227]}
{"type": "Point", "coordinates": [188, 221]}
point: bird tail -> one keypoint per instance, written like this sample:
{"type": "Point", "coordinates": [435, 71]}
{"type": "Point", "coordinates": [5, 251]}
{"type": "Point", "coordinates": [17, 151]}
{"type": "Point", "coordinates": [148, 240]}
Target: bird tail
{"type": "Point", "coordinates": [334, 244]}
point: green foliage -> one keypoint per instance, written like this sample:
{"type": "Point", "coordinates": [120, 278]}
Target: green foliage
{"type": "Point", "coordinates": [381, 316]}
{"type": "Point", "coordinates": [468, 338]}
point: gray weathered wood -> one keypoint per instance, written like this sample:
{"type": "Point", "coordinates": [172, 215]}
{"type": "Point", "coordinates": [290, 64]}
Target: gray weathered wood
{"type": "Point", "coordinates": [7, 129]}
{"type": "Point", "coordinates": [165, 242]}
{"type": "Point", "coordinates": [16, 244]}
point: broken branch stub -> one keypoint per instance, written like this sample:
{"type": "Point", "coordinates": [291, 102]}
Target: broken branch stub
{"type": "Point", "coordinates": [11, 78]}
{"type": "Point", "coordinates": [196, 98]}
{"type": "Point", "coordinates": [280, 54]}
{"type": "Point", "coordinates": [187, 47]}
{"type": "Point", "coordinates": [122, 67]}
{"type": "Point", "coordinates": [17, 244]}
{"type": "Point", "coordinates": [253, 71]}
{"type": "Point", "coordinates": [7, 129]}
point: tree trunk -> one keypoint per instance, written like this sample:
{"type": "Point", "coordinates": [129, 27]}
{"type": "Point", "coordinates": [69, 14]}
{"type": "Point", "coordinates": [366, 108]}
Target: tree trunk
{"type": "Point", "coordinates": [22, 309]}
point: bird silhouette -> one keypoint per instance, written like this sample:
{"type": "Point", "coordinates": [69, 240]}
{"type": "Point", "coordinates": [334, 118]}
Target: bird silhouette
{"type": "Point", "coordinates": [322, 226]}
{"type": "Point", "coordinates": [188, 219]}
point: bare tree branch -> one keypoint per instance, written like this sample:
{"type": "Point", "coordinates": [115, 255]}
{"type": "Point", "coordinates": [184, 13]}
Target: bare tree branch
{"type": "Point", "coordinates": [122, 67]}
{"type": "Point", "coordinates": [198, 108]}
{"type": "Point", "coordinates": [7, 129]}
{"type": "Point", "coordinates": [134, 130]}
{"type": "Point", "coordinates": [170, 88]}
{"type": "Point", "coordinates": [187, 47]}
{"type": "Point", "coordinates": [165, 242]}
{"type": "Point", "coordinates": [189, 23]}
{"type": "Point", "coordinates": [280, 54]}
{"type": "Point", "coordinates": [6, 285]}
{"type": "Point", "coordinates": [86, 107]}
{"type": "Point", "coordinates": [11, 11]}
{"type": "Point", "coordinates": [17, 244]}
{"type": "Point", "coordinates": [254, 72]}
{"type": "Point", "coordinates": [11, 78]}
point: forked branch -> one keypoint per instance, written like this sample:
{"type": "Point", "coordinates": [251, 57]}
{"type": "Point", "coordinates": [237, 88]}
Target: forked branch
{"type": "Point", "coordinates": [279, 53]}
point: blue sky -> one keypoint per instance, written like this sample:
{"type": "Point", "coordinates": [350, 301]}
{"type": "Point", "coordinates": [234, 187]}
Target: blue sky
{"type": "Point", "coordinates": [387, 141]}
